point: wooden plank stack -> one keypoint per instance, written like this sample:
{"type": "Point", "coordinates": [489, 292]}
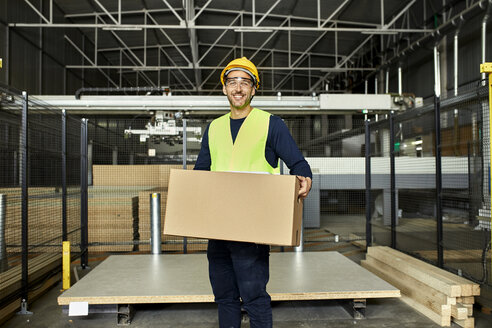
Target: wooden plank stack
{"type": "Point", "coordinates": [10, 281]}
{"type": "Point", "coordinates": [133, 175]}
{"type": "Point", "coordinates": [119, 207]}
{"type": "Point", "coordinates": [438, 294]}
{"type": "Point", "coordinates": [45, 207]}
{"type": "Point", "coordinates": [111, 218]}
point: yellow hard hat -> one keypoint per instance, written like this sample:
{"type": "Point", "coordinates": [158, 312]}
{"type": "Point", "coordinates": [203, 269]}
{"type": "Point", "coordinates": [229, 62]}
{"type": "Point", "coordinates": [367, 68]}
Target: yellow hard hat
{"type": "Point", "coordinates": [241, 64]}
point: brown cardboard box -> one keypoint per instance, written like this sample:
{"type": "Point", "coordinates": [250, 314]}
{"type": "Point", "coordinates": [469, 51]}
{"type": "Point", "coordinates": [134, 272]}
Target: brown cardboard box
{"type": "Point", "coordinates": [259, 208]}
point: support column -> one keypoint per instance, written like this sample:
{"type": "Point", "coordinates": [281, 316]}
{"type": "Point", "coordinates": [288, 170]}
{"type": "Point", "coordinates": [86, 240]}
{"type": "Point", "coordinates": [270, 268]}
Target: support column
{"type": "Point", "coordinates": [84, 236]}
{"type": "Point", "coordinates": [185, 138]}
{"type": "Point", "coordinates": [368, 184]}
{"type": "Point", "coordinates": [24, 204]}
{"type": "Point", "coordinates": [64, 175]}
{"type": "Point", "coordinates": [24, 193]}
{"type": "Point", "coordinates": [437, 119]}
{"type": "Point", "coordinates": [393, 192]}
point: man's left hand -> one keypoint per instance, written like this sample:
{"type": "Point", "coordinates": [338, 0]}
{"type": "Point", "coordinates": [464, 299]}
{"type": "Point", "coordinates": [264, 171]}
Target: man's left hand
{"type": "Point", "coordinates": [305, 186]}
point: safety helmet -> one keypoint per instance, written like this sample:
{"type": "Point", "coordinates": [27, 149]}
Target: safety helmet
{"type": "Point", "coordinates": [241, 64]}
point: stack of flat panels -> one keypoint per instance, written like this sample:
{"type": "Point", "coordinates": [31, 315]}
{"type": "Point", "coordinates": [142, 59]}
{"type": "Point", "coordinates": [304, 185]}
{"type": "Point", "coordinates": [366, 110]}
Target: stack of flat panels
{"type": "Point", "coordinates": [111, 218]}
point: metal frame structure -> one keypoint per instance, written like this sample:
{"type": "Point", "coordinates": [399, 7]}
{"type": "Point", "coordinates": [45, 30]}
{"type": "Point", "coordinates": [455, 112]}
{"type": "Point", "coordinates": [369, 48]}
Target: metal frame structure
{"type": "Point", "coordinates": [173, 37]}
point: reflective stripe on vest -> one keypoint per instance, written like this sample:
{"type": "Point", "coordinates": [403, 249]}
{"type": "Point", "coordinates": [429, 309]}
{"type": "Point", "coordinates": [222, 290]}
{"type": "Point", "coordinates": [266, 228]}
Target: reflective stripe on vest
{"type": "Point", "coordinates": [247, 154]}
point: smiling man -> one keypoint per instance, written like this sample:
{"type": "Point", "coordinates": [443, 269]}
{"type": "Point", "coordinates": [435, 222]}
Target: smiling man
{"type": "Point", "coordinates": [246, 139]}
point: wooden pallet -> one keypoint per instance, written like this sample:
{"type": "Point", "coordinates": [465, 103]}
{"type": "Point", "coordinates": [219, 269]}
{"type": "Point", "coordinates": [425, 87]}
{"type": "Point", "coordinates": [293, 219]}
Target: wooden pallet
{"type": "Point", "coordinates": [438, 294]}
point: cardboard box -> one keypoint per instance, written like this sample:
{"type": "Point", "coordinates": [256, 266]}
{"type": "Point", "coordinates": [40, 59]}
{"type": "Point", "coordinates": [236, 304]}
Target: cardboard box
{"type": "Point", "coordinates": [258, 208]}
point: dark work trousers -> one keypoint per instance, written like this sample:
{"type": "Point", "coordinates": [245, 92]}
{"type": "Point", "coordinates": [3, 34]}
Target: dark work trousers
{"type": "Point", "coordinates": [236, 270]}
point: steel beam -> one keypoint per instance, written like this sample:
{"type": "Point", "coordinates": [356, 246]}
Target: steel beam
{"type": "Point", "coordinates": [106, 11]}
{"type": "Point", "coordinates": [221, 64]}
{"type": "Point", "coordinates": [332, 14]}
{"type": "Point", "coordinates": [169, 38]}
{"type": "Point", "coordinates": [221, 45]}
{"type": "Point", "coordinates": [267, 13]}
{"type": "Point", "coordinates": [177, 67]}
{"type": "Point", "coordinates": [38, 12]}
{"type": "Point", "coordinates": [404, 10]}
{"type": "Point", "coordinates": [268, 40]}
{"type": "Point", "coordinates": [217, 41]}
{"type": "Point", "coordinates": [224, 11]}
{"type": "Point", "coordinates": [201, 10]}
{"type": "Point", "coordinates": [133, 27]}
{"type": "Point", "coordinates": [89, 60]}
{"type": "Point", "coordinates": [181, 22]}
{"type": "Point", "coordinates": [282, 68]}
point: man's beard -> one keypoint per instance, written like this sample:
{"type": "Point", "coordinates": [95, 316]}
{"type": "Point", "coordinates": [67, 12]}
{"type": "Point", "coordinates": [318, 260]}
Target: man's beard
{"type": "Point", "coordinates": [246, 102]}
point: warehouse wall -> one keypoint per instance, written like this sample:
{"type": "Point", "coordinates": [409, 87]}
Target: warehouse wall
{"type": "Point", "coordinates": [35, 59]}
{"type": "Point", "coordinates": [418, 66]}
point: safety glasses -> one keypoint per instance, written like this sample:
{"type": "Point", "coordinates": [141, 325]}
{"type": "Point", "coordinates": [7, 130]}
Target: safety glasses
{"type": "Point", "coordinates": [233, 82]}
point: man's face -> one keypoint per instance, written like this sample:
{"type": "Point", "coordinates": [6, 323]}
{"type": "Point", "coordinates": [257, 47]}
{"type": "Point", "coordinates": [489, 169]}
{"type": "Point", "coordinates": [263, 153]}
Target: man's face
{"type": "Point", "coordinates": [240, 92]}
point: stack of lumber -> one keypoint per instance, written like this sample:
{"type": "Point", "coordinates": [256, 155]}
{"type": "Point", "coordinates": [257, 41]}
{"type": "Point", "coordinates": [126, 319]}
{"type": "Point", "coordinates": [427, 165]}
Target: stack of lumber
{"type": "Point", "coordinates": [132, 175]}
{"type": "Point", "coordinates": [39, 267]}
{"type": "Point", "coordinates": [44, 218]}
{"type": "Point", "coordinates": [111, 218]}
{"type": "Point", "coordinates": [113, 200]}
{"type": "Point", "coordinates": [438, 294]}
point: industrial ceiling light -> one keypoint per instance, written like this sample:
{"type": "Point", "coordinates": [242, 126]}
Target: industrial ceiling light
{"type": "Point", "coordinates": [379, 32]}
{"type": "Point", "coordinates": [250, 29]}
{"type": "Point", "coordinates": [122, 28]}
{"type": "Point", "coordinates": [146, 68]}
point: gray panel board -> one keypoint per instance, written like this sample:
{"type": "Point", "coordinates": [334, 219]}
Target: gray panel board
{"type": "Point", "coordinates": [135, 279]}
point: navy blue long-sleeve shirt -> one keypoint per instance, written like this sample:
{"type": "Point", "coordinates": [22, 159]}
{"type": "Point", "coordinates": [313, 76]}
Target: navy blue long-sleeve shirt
{"type": "Point", "coordinates": [279, 144]}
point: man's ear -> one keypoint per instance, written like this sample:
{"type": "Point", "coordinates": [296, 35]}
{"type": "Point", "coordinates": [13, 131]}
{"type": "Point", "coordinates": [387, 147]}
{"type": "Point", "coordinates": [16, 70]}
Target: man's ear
{"type": "Point", "coordinates": [224, 90]}
{"type": "Point", "coordinates": [254, 91]}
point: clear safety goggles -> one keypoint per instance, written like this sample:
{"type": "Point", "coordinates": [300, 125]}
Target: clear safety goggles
{"type": "Point", "coordinates": [233, 82]}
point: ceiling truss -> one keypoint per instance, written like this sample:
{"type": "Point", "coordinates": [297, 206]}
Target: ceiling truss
{"type": "Point", "coordinates": [170, 44]}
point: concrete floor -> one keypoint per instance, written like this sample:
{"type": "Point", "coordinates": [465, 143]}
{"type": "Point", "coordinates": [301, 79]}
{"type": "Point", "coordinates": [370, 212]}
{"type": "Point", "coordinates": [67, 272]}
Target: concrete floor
{"type": "Point", "coordinates": [310, 314]}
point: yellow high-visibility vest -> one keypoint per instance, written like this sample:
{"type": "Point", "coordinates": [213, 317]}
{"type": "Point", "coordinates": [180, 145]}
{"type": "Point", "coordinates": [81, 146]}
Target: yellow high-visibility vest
{"type": "Point", "coordinates": [247, 153]}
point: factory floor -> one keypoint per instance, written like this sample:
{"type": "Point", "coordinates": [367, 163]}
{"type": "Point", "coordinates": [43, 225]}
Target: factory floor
{"type": "Point", "coordinates": [379, 312]}
{"type": "Point", "coordinates": [308, 314]}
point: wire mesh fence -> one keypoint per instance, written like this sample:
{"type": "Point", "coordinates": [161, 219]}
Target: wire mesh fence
{"type": "Point", "coordinates": [334, 209]}
{"type": "Point", "coordinates": [409, 204]}
{"type": "Point", "coordinates": [10, 220]}
{"type": "Point", "coordinates": [441, 204]}
{"type": "Point", "coordinates": [40, 203]}
{"type": "Point", "coordinates": [127, 163]}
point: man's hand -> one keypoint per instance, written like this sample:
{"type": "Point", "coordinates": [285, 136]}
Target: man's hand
{"type": "Point", "coordinates": [305, 186]}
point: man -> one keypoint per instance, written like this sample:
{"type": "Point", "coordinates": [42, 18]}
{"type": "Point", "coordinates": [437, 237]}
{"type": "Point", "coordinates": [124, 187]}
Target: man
{"type": "Point", "coordinates": [247, 140]}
